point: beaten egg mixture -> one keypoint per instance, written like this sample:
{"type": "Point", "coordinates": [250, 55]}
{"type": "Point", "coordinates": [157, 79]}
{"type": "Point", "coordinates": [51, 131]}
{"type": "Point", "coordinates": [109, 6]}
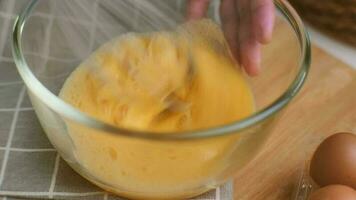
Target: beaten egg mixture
{"type": "Point", "coordinates": [161, 82]}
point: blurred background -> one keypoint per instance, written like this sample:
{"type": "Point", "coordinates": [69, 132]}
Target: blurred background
{"type": "Point", "coordinates": [332, 26]}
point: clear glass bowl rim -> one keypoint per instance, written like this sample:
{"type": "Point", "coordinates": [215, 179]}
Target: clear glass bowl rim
{"type": "Point", "coordinates": [64, 109]}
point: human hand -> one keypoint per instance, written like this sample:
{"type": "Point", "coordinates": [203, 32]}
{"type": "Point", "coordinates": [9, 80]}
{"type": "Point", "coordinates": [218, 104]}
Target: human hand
{"type": "Point", "coordinates": [247, 24]}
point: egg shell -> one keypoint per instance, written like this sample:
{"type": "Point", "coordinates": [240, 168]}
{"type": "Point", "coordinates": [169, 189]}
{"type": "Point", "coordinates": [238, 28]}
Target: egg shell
{"type": "Point", "coordinates": [334, 161]}
{"type": "Point", "coordinates": [334, 192]}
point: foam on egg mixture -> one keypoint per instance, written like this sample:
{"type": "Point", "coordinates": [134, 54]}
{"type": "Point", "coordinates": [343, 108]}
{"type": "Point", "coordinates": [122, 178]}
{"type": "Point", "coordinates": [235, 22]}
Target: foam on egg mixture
{"type": "Point", "coordinates": [161, 82]}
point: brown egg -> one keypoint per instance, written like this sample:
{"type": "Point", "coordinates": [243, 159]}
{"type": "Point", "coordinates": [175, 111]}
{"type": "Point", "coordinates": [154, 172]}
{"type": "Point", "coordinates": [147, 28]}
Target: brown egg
{"type": "Point", "coordinates": [334, 161]}
{"type": "Point", "coordinates": [334, 192]}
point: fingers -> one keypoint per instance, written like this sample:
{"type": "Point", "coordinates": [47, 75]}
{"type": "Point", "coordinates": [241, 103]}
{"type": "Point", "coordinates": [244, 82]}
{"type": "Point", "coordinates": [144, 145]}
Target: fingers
{"type": "Point", "coordinates": [196, 9]}
{"type": "Point", "coordinates": [246, 24]}
{"type": "Point", "coordinates": [262, 19]}
{"type": "Point", "coordinates": [250, 48]}
{"type": "Point", "coordinates": [251, 56]}
{"type": "Point", "coordinates": [229, 19]}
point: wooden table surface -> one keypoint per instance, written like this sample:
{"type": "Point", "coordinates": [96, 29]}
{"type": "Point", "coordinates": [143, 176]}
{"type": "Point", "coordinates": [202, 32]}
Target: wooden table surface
{"type": "Point", "coordinates": [326, 105]}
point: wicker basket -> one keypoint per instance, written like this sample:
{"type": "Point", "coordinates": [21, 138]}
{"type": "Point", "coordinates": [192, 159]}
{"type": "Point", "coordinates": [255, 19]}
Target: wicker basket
{"type": "Point", "coordinates": [335, 17]}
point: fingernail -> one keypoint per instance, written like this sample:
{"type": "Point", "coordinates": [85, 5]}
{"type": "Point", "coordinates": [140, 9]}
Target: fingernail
{"type": "Point", "coordinates": [265, 26]}
{"type": "Point", "coordinates": [254, 59]}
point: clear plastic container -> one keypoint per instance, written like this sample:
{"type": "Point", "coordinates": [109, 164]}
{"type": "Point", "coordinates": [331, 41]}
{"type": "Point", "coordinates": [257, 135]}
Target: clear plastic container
{"type": "Point", "coordinates": [305, 185]}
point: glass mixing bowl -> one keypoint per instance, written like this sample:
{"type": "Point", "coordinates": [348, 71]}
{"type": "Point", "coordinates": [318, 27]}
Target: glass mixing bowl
{"type": "Point", "coordinates": [52, 37]}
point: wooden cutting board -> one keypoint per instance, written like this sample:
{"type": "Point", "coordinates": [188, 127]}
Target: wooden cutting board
{"type": "Point", "coordinates": [326, 104]}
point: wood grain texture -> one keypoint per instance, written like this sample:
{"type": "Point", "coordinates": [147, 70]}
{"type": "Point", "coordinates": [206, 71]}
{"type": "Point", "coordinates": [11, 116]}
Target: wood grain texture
{"type": "Point", "coordinates": [326, 104]}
